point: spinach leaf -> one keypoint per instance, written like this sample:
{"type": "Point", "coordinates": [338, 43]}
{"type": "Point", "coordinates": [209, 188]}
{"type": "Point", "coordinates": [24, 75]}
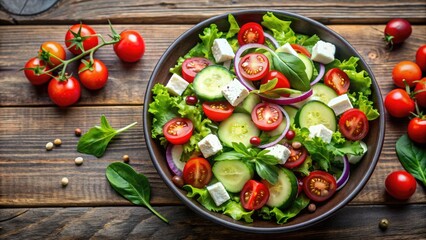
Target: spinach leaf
{"type": "Point", "coordinates": [96, 140]}
{"type": "Point", "coordinates": [412, 158]}
{"type": "Point", "coordinates": [293, 68]}
{"type": "Point", "coordinates": [131, 185]}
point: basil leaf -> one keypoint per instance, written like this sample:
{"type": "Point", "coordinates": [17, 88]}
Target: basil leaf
{"type": "Point", "coordinates": [131, 185]}
{"type": "Point", "coordinates": [229, 156]}
{"type": "Point", "coordinates": [412, 158]}
{"type": "Point", "coordinates": [96, 140]}
{"type": "Point", "coordinates": [293, 68]}
{"type": "Point", "coordinates": [267, 172]}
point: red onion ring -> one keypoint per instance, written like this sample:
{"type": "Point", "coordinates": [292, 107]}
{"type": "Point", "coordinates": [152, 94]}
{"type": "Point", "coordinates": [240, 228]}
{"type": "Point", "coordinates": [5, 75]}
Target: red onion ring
{"type": "Point", "coordinates": [171, 161]}
{"type": "Point", "coordinates": [249, 85]}
{"type": "Point", "coordinates": [271, 39]}
{"type": "Point", "coordinates": [320, 74]}
{"type": "Point", "coordinates": [287, 127]}
{"type": "Point", "coordinates": [343, 179]}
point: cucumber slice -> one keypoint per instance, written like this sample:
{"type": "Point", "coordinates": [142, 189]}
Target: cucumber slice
{"type": "Point", "coordinates": [323, 92]}
{"type": "Point", "coordinates": [309, 65]}
{"type": "Point", "coordinates": [277, 131]}
{"type": "Point", "coordinates": [237, 128]}
{"type": "Point", "coordinates": [291, 111]}
{"type": "Point", "coordinates": [233, 174]}
{"type": "Point", "coordinates": [314, 113]}
{"type": "Point", "coordinates": [283, 193]}
{"type": "Point", "coordinates": [208, 83]}
{"type": "Point", "coordinates": [248, 104]}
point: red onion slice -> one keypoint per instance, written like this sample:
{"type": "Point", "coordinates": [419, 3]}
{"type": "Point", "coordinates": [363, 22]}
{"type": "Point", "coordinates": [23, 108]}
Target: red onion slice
{"type": "Point", "coordinates": [343, 179]}
{"type": "Point", "coordinates": [320, 74]}
{"type": "Point", "coordinates": [271, 39]}
{"type": "Point", "coordinates": [287, 120]}
{"type": "Point", "coordinates": [173, 154]}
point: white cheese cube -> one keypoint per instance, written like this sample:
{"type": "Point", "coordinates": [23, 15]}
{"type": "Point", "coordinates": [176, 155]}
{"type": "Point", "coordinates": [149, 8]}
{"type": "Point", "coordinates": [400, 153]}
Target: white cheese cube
{"type": "Point", "coordinates": [210, 145]}
{"type": "Point", "coordinates": [176, 85]}
{"type": "Point", "coordinates": [235, 92]}
{"type": "Point", "coordinates": [222, 51]}
{"type": "Point", "coordinates": [287, 48]}
{"type": "Point", "coordinates": [354, 159]}
{"type": "Point", "coordinates": [323, 52]}
{"type": "Point", "coordinates": [340, 104]}
{"type": "Point", "coordinates": [218, 192]}
{"type": "Point", "coordinates": [281, 152]}
{"type": "Point", "coordinates": [320, 131]}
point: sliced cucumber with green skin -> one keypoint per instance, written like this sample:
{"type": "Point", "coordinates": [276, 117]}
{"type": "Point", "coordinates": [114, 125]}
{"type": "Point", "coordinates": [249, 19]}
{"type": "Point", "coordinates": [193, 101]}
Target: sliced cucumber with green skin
{"type": "Point", "coordinates": [291, 111]}
{"type": "Point", "coordinates": [237, 128]}
{"type": "Point", "coordinates": [248, 104]}
{"type": "Point", "coordinates": [309, 65]}
{"type": "Point", "coordinates": [283, 193]}
{"type": "Point", "coordinates": [208, 83]}
{"type": "Point", "coordinates": [323, 92]}
{"type": "Point", "coordinates": [316, 112]}
{"type": "Point", "coordinates": [233, 174]}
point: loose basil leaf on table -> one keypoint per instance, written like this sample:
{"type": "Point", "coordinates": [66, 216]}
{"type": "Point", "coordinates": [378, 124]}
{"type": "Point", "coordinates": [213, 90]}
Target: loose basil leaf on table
{"type": "Point", "coordinates": [412, 158]}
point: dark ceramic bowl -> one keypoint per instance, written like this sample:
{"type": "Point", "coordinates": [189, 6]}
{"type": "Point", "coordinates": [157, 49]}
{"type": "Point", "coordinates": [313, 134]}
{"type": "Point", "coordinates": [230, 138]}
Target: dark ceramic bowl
{"type": "Point", "coordinates": [359, 173]}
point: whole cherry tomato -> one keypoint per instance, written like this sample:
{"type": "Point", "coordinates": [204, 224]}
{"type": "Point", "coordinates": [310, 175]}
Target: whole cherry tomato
{"type": "Point", "coordinates": [80, 36]}
{"type": "Point", "coordinates": [64, 92]}
{"type": "Point", "coordinates": [420, 92]}
{"type": "Point", "coordinates": [397, 30]}
{"type": "Point", "coordinates": [406, 71]}
{"type": "Point", "coordinates": [52, 52]}
{"type": "Point", "coordinates": [34, 71]}
{"type": "Point", "coordinates": [131, 46]}
{"type": "Point", "coordinates": [421, 57]}
{"type": "Point", "coordinates": [93, 75]}
{"type": "Point", "coordinates": [398, 103]}
{"type": "Point", "coordinates": [400, 185]}
{"type": "Point", "coordinates": [417, 129]}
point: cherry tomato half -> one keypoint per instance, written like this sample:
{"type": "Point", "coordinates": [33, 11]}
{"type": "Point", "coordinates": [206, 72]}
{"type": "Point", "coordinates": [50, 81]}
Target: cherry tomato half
{"type": "Point", "coordinates": [420, 92]}
{"type": "Point", "coordinates": [131, 46]}
{"type": "Point", "coordinates": [338, 80]}
{"type": "Point", "coordinates": [397, 30]}
{"type": "Point", "coordinates": [297, 156]}
{"type": "Point", "coordinates": [34, 71]}
{"type": "Point", "coordinates": [218, 111]}
{"type": "Point", "coordinates": [319, 185]}
{"type": "Point", "coordinates": [80, 36]}
{"type": "Point", "coordinates": [406, 71]}
{"type": "Point", "coordinates": [178, 130]}
{"type": "Point", "coordinates": [267, 116]}
{"type": "Point", "coordinates": [197, 172]}
{"type": "Point", "coordinates": [254, 66]}
{"type": "Point", "coordinates": [353, 124]}
{"type": "Point", "coordinates": [282, 80]}
{"type": "Point", "coordinates": [64, 92]}
{"type": "Point", "coordinates": [400, 185]}
{"type": "Point", "coordinates": [417, 130]}
{"type": "Point", "coordinates": [94, 76]}
{"type": "Point", "coordinates": [251, 32]}
{"type": "Point", "coordinates": [52, 53]}
{"type": "Point", "coordinates": [301, 49]}
{"type": "Point", "coordinates": [421, 57]}
{"type": "Point", "coordinates": [398, 103]}
{"type": "Point", "coordinates": [192, 66]}
{"type": "Point", "coordinates": [254, 195]}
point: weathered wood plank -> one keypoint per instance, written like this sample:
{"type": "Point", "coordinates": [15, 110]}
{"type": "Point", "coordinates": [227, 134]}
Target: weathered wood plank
{"type": "Point", "coordinates": [173, 11]}
{"type": "Point", "coordinates": [352, 222]}
{"type": "Point", "coordinates": [127, 82]}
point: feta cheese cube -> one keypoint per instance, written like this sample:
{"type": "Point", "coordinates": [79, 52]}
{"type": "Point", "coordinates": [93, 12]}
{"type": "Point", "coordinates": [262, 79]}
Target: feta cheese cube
{"type": "Point", "coordinates": [218, 192]}
{"type": "Point", "coordinates": [281, 152]}
{"type": "Point", "coordinates": [340, 104]}
{"type": "Point", "coordinates": [210, 145]}
{"type": "Point", "coordinates": [320, 131]}
{"type": "Point", "coordinates": [354, 159]}
{"type": "Point", "coordinates": [222, 51]}
{"type": "Point", "coordinates": [176, 85]}
{"type": "Point", "coordinates": [323, 52]}
{"type": "Point", "coordinates": [235, 92]}
{"type": "Point", "coordinates": [287, 48]}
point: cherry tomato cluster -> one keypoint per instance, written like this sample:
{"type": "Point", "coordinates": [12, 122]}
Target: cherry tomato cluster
{"type": "Point", "coordinates": [50, 65]}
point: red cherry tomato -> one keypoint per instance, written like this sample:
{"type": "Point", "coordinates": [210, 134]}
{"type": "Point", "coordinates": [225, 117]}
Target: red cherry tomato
{"type": "Point", "coordinates": [254, 195]}
{"type": "Point", "coordinates": [338, 80]}
{"type": "Point", "coordinates": [398, 103]}
{"type": "Point", "coordinates": [197, 172]}
{"type": "Point", "coordinates": [94, 76]}
{"type": "Point", "coordinates": [420, 92]}
{"type": "Point", "coordinates": [267, 116]}
{"type": "Point", "coordinates": [421, 57]}
{"type": "Point", "coordinates": [192, 66]}
{"type": "Point", "coordinates": [34, 71]}
{"type": "Point", "coordinates": [218, 111]}
{"type": "Point", "coordinates": [301, 49]}
{"type": "Point", "coordinates": [80, 36]}
{"type": "Point", "coordinates": [64, 92]}
{"type": "Point", "coordinates": [131, 46]}
{"type": "Point", "coordinates": [400, 185]}
{"type": "Point", "coordinates": [353, 124]}
{"type": "Point", "coordinates": [178, 130]}
{"type": "Point", "coordinates": [417, 130]}
{"type": "Point", "coordinates": [408, 71]}
{"type": "Point", "coordinates": [254, 66]}
{"type": "Point", "coordinates": [52, 53]}
{"type": "Point", "coordinates": [319, 185]}
{"type": "Point", "coordinates": [282, 80]}
{"type": "Point", "coordinates": [251, 33]}
{"type": "Point", "coordinates": [397, 30]}
{"type": "Point", "coordinates": [297, 156]}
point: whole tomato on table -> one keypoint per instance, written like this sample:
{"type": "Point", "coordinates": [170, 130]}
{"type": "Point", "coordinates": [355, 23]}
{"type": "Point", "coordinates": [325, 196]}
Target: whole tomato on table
{"type": "Point", "coordinates": [52, 52]}
{"type": "Point", "coordinates": [399, 104]}
{"type": "Point", "coordinates": [421, 57]}
{"type": "Point", "coordinates": [131, 46]}
{"type": "Point", "coordinates": [397, 31]}
{"type": "Point", "coordinates": [93, 75]}
{"type": "Point", "coordinates": [400, 185]}
{"type": "Point", "coordinates": [417, 129]}
{"type": "Point", "coordinates": [420, 92]}
{"type": "Point", "coordinates": [35, 71]}
{"type": "Point", "coordinates": [64, 92]}
{"type": "Point", "coordinates": [80, 36]}
{"type": "Point", "coordinates": [407, 71]}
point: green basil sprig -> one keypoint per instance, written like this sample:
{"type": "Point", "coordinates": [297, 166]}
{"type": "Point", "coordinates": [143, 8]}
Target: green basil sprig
{"type": "Point", "coordinates": [131, 185]}
{"type": "Point", "coordinates": [412, 158]}
{"type": "Point", "coordinates": [293, 68]}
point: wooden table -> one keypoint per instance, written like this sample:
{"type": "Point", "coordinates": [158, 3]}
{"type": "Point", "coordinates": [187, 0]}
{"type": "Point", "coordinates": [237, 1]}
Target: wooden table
{"type": "Point", "coordinates": [33, 203]}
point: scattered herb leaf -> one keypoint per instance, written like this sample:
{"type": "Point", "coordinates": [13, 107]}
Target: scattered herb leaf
{"type": "Point", "coordinates": [412, 158]}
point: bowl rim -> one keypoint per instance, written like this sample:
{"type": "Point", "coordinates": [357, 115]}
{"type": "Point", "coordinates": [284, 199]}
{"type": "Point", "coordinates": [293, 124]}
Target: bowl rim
{"type": "Point", "coordinates": [280, 228]}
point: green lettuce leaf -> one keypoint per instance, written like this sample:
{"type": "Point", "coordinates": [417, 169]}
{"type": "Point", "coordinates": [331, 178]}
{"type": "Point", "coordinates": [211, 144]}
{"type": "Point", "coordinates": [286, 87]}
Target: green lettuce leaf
{"type": "Point", "coordinates": [234, 28]}
{"type": "Point", "coordinates": [306, 41]}
{"type": "Point", "coordinates": [280, 29]}
{"type": "Point", "coordinates": [202, 196]}
{"type": "Point", "coordinates": [282, 216]}
{"type": "Point", "coordinates": [207, 39]}
{"type": "Point", "coordinates": [360, 101]}
{"type": "Point", "coordinates": [237, 212]}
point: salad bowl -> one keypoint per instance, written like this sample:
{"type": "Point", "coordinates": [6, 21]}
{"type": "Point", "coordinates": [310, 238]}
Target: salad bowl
{"type": "Point", "coordinates": [360, 173]}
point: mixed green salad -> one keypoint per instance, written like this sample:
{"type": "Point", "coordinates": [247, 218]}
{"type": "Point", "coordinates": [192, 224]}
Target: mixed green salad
{"type": "Point", "coordinates": [260, 121]}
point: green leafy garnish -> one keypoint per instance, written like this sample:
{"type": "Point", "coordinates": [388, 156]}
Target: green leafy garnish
{"type": "Point", "coordinates": [360, 101]}
{"type": "Point", "coordinates": [96, 140]}
{"type": "Point", "coordinates": [412, 157]}
{"type": "Point", "coordinates": [131, 185]}
{"type": "Point", "coordinates": [293, 68]}
{"type": "Point", "coordinates": [268, 89]}
{"type": "Point", "coordinates": [282, 216]}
